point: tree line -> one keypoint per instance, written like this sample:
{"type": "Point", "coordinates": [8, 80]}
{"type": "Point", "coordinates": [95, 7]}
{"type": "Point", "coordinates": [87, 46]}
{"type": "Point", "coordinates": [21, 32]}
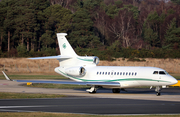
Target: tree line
{"type": "Point", "coordinates": [105, 28]}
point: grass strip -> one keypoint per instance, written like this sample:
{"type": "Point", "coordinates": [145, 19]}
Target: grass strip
{"type": "Point", "coordinates": [177, 77]}
{"type": "Point", "coordinates": [5, 95]}
{"type": "Point", "coordinates": [42, 114]}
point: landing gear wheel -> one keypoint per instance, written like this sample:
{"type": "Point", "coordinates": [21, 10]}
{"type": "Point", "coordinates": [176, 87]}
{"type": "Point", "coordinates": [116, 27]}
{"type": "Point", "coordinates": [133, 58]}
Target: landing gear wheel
{"type": "Point", "coordinates": [158, 93]}
{"type": "Point", "coordinates": [116, 90]}
{"type": "Point", "coordinates": [92, 92]}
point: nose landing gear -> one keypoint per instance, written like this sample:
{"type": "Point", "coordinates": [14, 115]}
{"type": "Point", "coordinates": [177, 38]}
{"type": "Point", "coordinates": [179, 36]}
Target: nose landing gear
{"type": "Point", "coordinates": [158, 90]}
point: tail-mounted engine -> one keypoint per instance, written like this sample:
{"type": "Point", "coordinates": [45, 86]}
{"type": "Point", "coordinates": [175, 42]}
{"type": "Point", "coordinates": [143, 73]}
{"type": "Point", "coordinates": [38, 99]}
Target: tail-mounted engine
{"type": "Point", "coordinates": [76, 71]}
{"type": "Point", "coordinates": [96, 60]}
{"type": "Point", "coordinates": [89, 59]}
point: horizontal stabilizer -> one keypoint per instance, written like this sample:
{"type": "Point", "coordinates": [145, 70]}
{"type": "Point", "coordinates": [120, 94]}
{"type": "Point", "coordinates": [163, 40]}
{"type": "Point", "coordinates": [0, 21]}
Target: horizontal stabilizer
{"type": "Point", "coordinates": [51, 57]}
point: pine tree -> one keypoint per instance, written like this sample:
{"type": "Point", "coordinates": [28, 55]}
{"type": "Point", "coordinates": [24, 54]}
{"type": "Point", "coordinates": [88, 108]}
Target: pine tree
{"type": "Point", "coordinates": [82, 32]}
{"type": "Point", "coordinates": [172, 36]}
{"type": "Point", "coordinates": [151, 29]}
{"type": "Point", "coordinates": [176, 1]}
{"type": "Point", "coordinates": [2, 18]}
{"type": "Point", "coordinates": [9, 22]}
{"type": "Point", "coordinates": [151, 37]}
{"type": "Point", "coordinates": [56, 20]}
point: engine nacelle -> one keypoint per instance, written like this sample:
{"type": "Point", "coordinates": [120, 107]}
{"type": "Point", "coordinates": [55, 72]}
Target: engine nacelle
{"type": "Point", "coordinates": [96, 60]}
{"type": "Point", "coordinates": [76, 71]}
{"type": "Point", "coordinates": [89, 59]}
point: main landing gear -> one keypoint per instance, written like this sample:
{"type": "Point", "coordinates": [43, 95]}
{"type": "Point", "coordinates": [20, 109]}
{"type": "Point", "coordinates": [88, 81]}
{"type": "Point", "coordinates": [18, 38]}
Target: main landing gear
{"type": "Point", "coordinates": [158, 90]}
{"type": "Point", "coordinates": [116, 90]}
{"type": "Point", "coordinates": [93, 89]}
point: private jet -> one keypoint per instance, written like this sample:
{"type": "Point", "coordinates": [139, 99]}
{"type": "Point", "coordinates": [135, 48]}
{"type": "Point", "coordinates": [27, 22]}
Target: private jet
{"type": "Point", "coordinates": [83, 70]}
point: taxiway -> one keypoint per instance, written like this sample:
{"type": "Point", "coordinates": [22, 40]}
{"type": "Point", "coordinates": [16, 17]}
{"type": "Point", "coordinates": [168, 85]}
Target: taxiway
{"type": "Point", "coordinates": [84, 105]}
{"type": "Point", "coordinates": [134, 101]}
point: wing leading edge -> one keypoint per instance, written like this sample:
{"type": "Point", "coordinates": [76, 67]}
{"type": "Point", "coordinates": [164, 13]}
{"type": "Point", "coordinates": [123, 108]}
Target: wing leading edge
{"type": "Point", "coordinates": [51, 57]}
{"type": "Point", "coordinates": [109, 84]}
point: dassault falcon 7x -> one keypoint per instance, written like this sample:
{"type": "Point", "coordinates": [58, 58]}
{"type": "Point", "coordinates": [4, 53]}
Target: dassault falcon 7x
{"type": "Point", "coordinates": [84, 71]}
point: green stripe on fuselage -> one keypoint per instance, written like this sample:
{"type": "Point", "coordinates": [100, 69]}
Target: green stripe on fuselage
{"type": "Point", "coordinates": [89, 60]}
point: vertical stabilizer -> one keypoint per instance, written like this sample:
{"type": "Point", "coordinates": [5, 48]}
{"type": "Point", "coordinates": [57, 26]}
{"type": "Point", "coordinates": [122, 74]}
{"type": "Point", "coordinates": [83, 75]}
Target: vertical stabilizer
{"type": "Point", "coordinates": [64, 46]}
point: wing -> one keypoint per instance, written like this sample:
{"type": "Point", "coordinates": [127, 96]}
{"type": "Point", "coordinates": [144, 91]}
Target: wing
{"type": "Point", "coordinates": [109, 84]}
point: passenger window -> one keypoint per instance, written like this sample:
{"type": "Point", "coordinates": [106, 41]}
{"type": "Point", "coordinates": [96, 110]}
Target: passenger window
{"type": "Point", "coordinates": [114, 73]}
{"type": "Point", "coordinates": [132, 74]}
{"type": "Point", "coordinates": [123, 73]}
{"type": "Point", "coordinates": [111, 73]}
{"type": "Point", "coordinates": [97, 73]}
{"type": "Point", "coordinates": [135, 74]}
{"type": "Point", "coordinates": [108, 73]}
{"type": "Point", "coordinates": [129, 73]}
{"type": "Point", "coordinates": [126, 73]}
{"type": "Point", "coordinates": [100, 73]}
{"type": "Point", "coordinates": [118, 73]}
{"type": "Point", "coordinates": [155, 72]}
{"type": "Point", "coordinates": [162, 73]}
{"type": "Point", "coordinates": [103, 73]}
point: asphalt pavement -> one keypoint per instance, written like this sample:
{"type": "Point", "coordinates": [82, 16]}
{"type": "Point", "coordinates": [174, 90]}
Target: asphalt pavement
{"type": "Point", "coordinates": [132, 101]}
{"type": "Point", "coordinates": [84, 105]}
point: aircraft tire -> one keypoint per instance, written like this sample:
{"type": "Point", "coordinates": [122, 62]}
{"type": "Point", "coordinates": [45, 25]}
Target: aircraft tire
{"type": "Point", "coordinates": [92, 92]}
{"type": "Point", "coordinates": [158, 93]}
{"type": "Point", "coordinates": [116, 90]}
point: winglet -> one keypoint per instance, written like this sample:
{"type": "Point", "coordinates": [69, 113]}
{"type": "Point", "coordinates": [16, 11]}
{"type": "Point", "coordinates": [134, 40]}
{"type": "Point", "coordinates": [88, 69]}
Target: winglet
{"type": "Point", "coordinates": [6, 76]}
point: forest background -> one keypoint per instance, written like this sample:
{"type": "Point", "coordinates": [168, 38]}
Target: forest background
{"type": "Point", "coordinates": [105, 28]}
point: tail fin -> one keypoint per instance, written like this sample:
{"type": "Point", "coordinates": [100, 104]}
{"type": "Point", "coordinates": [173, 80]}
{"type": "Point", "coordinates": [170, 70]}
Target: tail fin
{"type": "Point", "coordinates": [64, 46]}
{"type": "Point", "coordinates": [68, 57]}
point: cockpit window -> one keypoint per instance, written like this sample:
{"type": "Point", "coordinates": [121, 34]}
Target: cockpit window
{"type": "Point", "coordinates": [155, 72]}
{"type": "Point", "coordinates": [162, 73]}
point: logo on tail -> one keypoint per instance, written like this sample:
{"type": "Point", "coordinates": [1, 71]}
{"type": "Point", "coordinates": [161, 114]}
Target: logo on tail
{"type": "Point", "coordinates": [64, 45]}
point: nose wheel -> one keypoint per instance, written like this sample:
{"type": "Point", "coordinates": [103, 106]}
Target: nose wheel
{"type": "Point", "coordinates": [158, 93]}
{"type": "Point", "coordinates": [158, 90]}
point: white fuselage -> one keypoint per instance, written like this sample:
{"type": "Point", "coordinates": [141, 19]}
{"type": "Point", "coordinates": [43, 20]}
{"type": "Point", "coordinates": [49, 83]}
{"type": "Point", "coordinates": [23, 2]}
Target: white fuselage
{"type": "Point", "coordinates": [85, 71]}
{"type": "Point", "coordinates": [126, 76]}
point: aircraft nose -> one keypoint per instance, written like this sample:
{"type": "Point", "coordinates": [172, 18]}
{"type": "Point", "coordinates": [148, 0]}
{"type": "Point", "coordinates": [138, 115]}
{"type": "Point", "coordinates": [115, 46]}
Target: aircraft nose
{"type": "Point", "coordinates": [174, 81]}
